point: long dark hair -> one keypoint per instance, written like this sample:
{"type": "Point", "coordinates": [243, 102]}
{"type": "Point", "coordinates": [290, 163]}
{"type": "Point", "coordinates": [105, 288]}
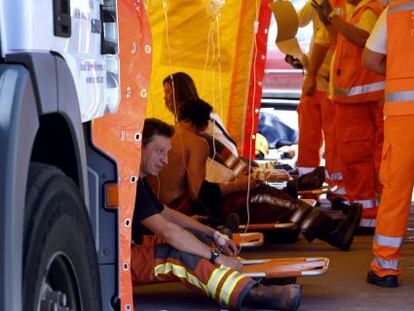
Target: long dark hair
{"type": "Point", "coordinates": [183, 86]}
{"type": "Point", "coordinates": [197, 111]}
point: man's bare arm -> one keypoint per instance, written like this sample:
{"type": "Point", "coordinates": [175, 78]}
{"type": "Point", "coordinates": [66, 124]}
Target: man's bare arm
{"type": "Point", "coordinates": [374, 61]}
{"type": "Point", "coordinates": [316, 59]}
{"type": "Point", "coordinates": [190, 224]}
{"type": "Point", "coordinates": [186, 222]}
{"type": "Point", "coordinates": [184, 240]}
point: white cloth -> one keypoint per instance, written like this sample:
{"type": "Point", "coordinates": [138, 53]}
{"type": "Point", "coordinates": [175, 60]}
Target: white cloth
{"type": "Point", "coordinates": [221, 135]}
{"type": "Point", "coordinates": [377, 41]}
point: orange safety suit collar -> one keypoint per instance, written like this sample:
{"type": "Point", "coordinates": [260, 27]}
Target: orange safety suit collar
{"type": "Point", "coordinates": [353, 83]}
{"type": "Point", "coordinates": [399, 86]}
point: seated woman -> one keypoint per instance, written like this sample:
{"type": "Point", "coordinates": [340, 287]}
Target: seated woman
{"type": "Point", "coordinates": [182, 186]}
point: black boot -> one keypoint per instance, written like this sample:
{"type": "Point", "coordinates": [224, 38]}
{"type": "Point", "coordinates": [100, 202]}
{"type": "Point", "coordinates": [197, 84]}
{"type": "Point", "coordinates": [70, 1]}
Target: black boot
{"type": "Point", "coordinates": [317, 225]}
{"type": "Point", "coordinates": [285, 297]}
{"type": "Point", "coordinates": [343, 235]}
{"type": "Point", "coordinates": [312, 180]}
{"type": "Point", "coordinates": [338, 233]}
{"type": "Point", "coordinates": [309, 181]}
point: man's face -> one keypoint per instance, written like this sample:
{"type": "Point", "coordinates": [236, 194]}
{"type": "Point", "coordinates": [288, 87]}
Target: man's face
{"type": "Point", "coordinates": [168, 97]}
{"type": "Point", "coordinates": [155, 155]}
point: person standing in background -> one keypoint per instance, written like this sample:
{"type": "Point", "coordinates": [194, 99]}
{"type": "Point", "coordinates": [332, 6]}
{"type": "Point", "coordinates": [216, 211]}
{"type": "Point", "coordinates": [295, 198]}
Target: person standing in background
{"type": "Point", "coordinates": [388, 52]}
{"type": "Point", "coordinates": [358, 96]}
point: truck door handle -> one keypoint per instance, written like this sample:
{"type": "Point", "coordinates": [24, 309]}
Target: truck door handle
{"type": "Point", "coordinates": [62, 22]}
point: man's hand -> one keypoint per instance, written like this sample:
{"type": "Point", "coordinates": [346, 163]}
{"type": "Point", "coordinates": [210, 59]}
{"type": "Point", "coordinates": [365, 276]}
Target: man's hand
{"type": "Point", "coordinates": [323, 9]}
{"type": "Point", "coordinates": [231, 262]}
{"type": "Point", "coordinates": [309, 85]}
{"type": "Point", "coordinates": [225, 244]}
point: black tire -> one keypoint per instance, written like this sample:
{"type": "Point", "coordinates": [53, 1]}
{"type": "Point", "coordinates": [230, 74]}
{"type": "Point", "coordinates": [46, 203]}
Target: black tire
{"type": "Point", "coordinates": [60, 264]}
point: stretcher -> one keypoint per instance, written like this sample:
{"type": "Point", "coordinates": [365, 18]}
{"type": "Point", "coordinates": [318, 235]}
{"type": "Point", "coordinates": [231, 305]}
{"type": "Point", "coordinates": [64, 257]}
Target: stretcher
{"type": "Point", "coordinates": [275, 232]}
{"type": "Point", "coordinates": [319, 191]}
{"type": "Point", "coordinates": [275, 268]}
{"type": "Point", "coordinates": [248, 239]}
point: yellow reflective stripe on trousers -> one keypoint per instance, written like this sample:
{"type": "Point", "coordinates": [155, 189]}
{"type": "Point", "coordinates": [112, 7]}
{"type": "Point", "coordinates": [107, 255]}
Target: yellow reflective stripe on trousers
{"type": "Point", "coordinates": [228, 287]}
{"type": "Point", "coordinates": [360, 89]}
{"type": "Point", "coordinates": [388, 241]}
{"type": "Point", "coordinates": [229, 291]}
{"type": "Point", "coordinates": [215, 279]}
{"type": "Point", "coordinates": [180, 272]}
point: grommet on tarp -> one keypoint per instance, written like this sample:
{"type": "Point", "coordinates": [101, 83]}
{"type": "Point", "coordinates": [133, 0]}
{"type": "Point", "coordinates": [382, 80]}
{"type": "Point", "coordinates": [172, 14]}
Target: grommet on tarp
{"type": "Point", "coordinates": [133, 179]}
{"type": "Point", "coordinates": [125, 266]}
{"type": "Point", "coordinates": [137, 136]}
{"type": "Point", "coordinates": [143, 93]}
{"type": "Point", "coordinates": [127, 222]}
{"type": "Point", "coordinates": [147, 48]}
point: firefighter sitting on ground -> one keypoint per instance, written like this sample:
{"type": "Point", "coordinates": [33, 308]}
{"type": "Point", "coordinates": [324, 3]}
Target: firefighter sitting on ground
{"type": "Point", "coordinates": [186, 250]}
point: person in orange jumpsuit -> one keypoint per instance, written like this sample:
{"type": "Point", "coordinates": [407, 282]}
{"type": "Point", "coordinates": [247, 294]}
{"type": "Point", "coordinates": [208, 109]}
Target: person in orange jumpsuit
{"type": "Point", "coordinates": [389, 52]}
{"type": "Point", "coordinates": [358, 96]}
{"type": "Point", "coordinates": [316, 112]}
{"type": "Point", "coordinates": [185, 250]}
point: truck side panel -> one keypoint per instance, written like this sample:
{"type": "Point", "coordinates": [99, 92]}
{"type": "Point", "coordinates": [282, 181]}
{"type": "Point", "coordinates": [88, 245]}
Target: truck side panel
{"type": "Point", "coordinates": [18, 126]}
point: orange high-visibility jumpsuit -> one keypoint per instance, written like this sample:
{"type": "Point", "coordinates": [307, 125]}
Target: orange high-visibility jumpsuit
{"type": "Point", "coordinates": [310, 107]}
{"type": "Point", "coordinates": [317, 113]}
{"type": "Point", "coordinates": [358, 95]}
{"type": "Point", "coordinates": [397, 168]}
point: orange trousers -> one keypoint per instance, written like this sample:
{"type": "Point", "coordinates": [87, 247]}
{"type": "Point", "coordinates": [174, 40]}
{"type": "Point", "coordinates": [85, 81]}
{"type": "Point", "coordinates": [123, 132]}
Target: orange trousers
{"type": "Point", "coordinates": [359, 132]}
{"type": "Point", "coordinates": [397, 176]}
{"type": "Point", "coordinates": [317, 123]}
{"type": "Point", "coordinates": [154, 261]}
{"type": "Point", "coordinates": [310, 130]}
{"type": "Point", "coordinates": [333, 165]}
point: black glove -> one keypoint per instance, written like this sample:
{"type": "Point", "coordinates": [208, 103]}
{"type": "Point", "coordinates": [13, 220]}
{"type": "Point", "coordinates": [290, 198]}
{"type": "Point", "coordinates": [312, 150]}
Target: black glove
{"type": "Point", "coordinates": [324, 10]}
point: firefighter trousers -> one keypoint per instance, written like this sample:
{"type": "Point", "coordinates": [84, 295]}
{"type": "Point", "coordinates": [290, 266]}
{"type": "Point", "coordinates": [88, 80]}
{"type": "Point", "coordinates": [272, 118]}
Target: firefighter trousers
{"type": "Point", "coordinates": [310, 130]}
{"type": "Point", "coordinates": [359, 131]}
{"type": "Point", "coordinates": [397, 176]}
{"type": "Point", "coordinates": [155, 261]}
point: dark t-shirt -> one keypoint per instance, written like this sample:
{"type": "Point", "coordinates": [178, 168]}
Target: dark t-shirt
{"type": "Point", "coordinates": [146, 205]}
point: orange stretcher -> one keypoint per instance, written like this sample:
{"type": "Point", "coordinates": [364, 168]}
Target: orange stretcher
{"type": "Point", "coordinates": [270, 226]}
{"type": "Point", "coordinates": [248, 239]}
{"type": "Point", "coordinates": [275, 268]}
{"type": "Point", "coordinates": [319, 191]}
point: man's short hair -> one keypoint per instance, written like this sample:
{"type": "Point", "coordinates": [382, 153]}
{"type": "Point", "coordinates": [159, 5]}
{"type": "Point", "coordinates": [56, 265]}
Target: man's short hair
{"type": "Point", "coordinates": [197, 111]}
{"type": "Point", "coordinates": [153, 126]}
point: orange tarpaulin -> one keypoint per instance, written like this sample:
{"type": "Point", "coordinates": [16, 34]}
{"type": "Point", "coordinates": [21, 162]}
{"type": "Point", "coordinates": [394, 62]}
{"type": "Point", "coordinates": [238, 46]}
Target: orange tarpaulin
{"type": "Point", "coordinates": [119, 134]}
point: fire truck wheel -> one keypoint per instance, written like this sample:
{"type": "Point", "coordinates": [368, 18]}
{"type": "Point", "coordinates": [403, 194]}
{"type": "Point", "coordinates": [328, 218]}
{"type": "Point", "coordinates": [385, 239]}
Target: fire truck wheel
{"type": "Point", "coordinates": [60, 265]}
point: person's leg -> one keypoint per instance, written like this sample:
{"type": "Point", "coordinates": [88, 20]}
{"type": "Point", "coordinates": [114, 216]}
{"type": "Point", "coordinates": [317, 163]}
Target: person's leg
{"type": "Point", "coordinates": [356, 145]}
{"type": "Point", "coordinates": [310, 132]}
{"type": "Point", "coordinates": [332, 163]}
{"type": "Point", "coordinates": [398, 179]}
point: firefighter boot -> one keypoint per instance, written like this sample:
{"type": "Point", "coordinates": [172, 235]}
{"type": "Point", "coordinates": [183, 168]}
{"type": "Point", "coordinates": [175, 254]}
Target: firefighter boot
{"type": "Point", "coordinates": [275, 297]}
